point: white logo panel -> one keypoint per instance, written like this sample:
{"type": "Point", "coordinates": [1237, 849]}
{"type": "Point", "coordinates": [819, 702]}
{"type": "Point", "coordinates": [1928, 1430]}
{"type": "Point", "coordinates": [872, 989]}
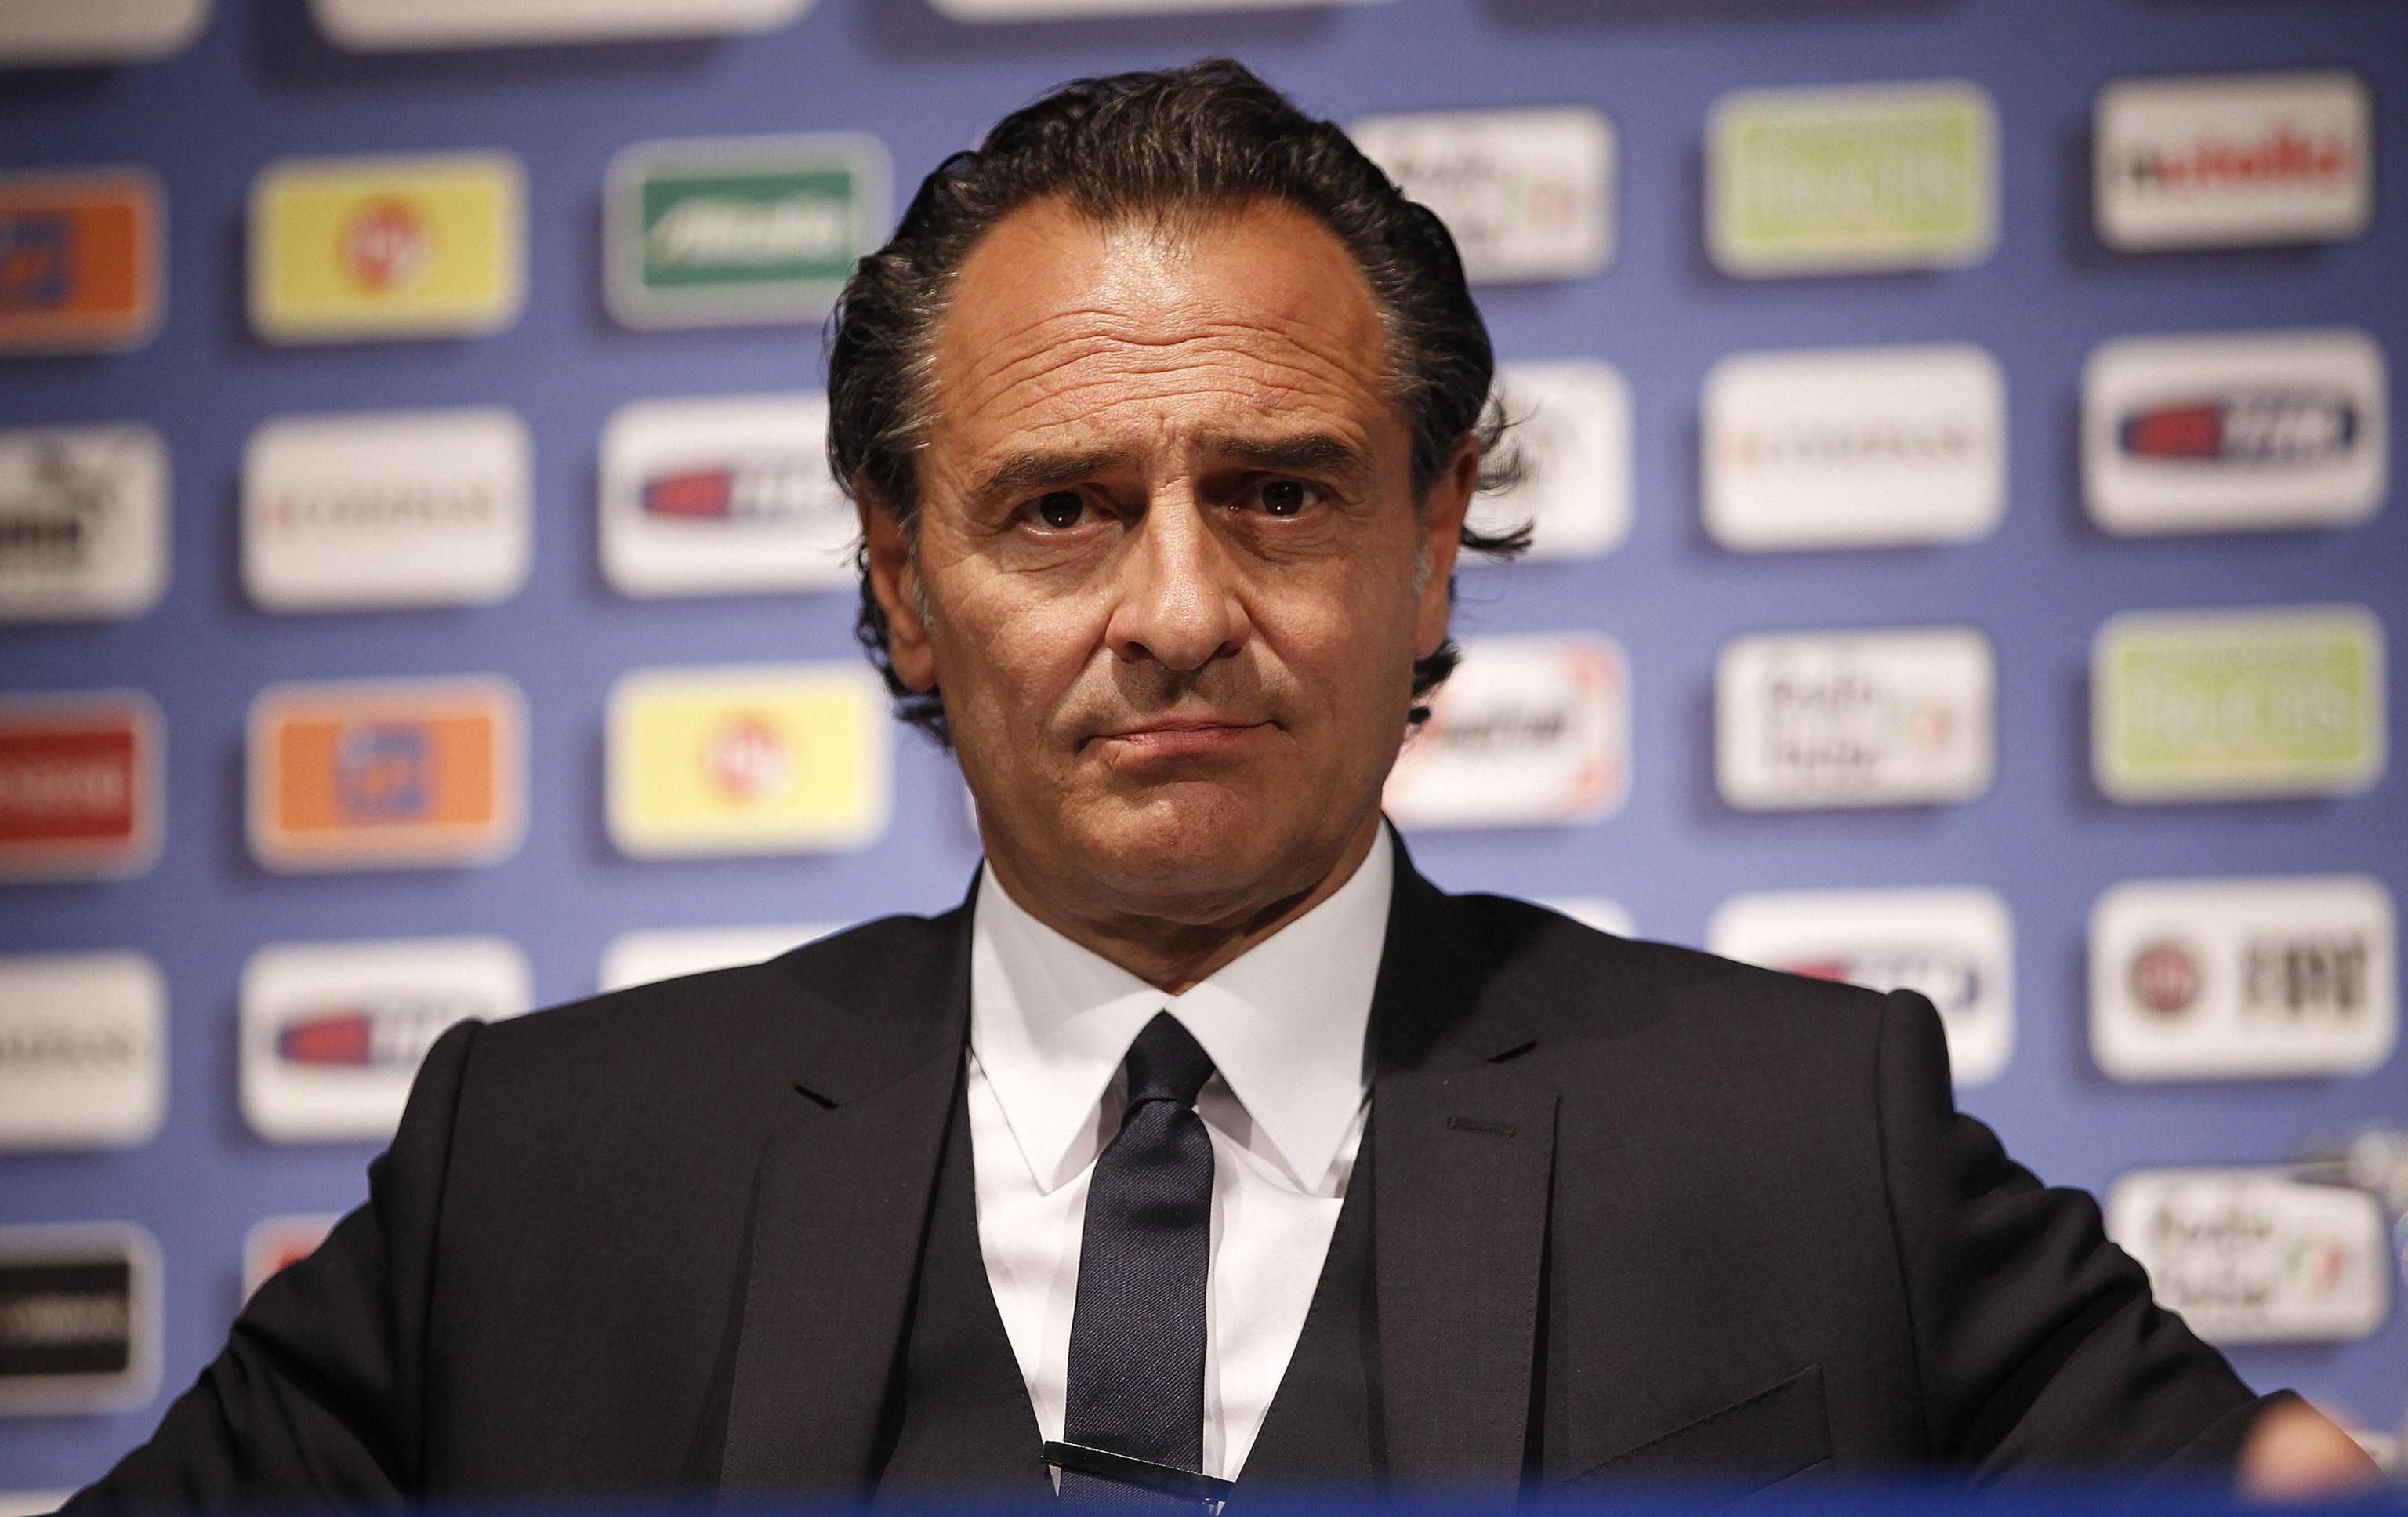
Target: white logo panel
{"type": "Point", "coordinates": [79, 1318]}
{"type": "Point", "coordinates": [2243, 979]}
{"type": "Point", "coordinates": [2233, 433]}
{"type": "Point", "coordinates": [37, 32]}
{"type": "Point", "coordinates": [83, 1051]}
{"type": "Point", "coordinates": [723, 496]}
{"type": "Point", "coordinates": [1902, 717]}
{"type": "Point", "coordinates": [83, 523]}
{"type": "Point", "coordinates": [1531, 731]}
{"type": "Point", "coordinates": [1572, 427]}
{"type": "Point", "coordinates": [376, 25]}
{"type": "Point", "coordinates": [333, 1033]}
{"type": "Point", "coordinates": [1528, 194]}
{"type": "Point", "coordinates": [387, 509]}
{"type": "Point", "coordinates": [642, 957]}
{"type": "Point", "coordinates": [2254, 1256]}
{"type": "Point", "coordinates": [1854, 447]}
{"type": "Point", "coordinates": [2232, 161]}
{"type": "Point", "coordinates": [1954, 946]}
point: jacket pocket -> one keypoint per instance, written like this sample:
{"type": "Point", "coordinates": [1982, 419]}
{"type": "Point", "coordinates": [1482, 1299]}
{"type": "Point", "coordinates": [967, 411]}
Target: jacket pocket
{"type": "Point", "coordinates": [1758, 1441]}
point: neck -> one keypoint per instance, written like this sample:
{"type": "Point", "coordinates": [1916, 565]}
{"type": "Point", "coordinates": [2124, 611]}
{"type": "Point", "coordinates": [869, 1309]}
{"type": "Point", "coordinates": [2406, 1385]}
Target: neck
{"type": "Point", "coordinates": [1173, 956]}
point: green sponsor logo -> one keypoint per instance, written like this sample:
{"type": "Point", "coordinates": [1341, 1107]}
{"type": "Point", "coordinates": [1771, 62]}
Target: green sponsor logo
{"type": "Point", "coordinates": [739, 230]}
{"type": "Point", "coordinates": [2238, 703]}
{"type": "Point", "coordinates": [1834, 180]}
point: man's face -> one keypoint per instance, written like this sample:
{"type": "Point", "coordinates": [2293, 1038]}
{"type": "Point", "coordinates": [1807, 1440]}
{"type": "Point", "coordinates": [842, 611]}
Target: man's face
{"type": "Point", "coordinates": [1174, 574]}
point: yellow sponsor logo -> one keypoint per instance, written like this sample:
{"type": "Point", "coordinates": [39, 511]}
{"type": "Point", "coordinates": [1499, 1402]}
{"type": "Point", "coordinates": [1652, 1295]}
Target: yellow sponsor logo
{"type": "Point", "coordinates": [391, 247]}
{"type": "Point", "coordinates": [761, 759]}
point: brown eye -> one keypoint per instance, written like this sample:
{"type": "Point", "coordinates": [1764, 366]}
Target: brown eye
{"type": "Point", "coordinates": [1059, 511]}
{"type": "Point", "coordinates": [1286, 497]}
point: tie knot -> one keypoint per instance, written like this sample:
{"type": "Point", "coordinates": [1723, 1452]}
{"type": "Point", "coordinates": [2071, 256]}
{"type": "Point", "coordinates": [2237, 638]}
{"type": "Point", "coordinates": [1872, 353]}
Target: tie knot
{"type": "Point", "coordinates": [1166, 1064]}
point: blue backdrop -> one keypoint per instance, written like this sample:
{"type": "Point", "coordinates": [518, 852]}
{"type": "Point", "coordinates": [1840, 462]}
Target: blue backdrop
{"type": "Point", "coordinates": [260, 83]}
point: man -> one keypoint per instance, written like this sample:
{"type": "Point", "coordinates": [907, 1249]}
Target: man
{"type": "Point", "coordinates": [1207, 1142]}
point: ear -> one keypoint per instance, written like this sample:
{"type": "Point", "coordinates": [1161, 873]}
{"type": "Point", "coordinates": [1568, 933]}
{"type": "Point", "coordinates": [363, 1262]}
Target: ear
{"type": "Point", "coordinates": [1443, 514]}
{"type": "Point", "coordinates": [895, 579]}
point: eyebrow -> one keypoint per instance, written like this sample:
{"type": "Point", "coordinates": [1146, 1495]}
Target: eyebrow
{"type": "Point", "coordinates": [1314, 452]}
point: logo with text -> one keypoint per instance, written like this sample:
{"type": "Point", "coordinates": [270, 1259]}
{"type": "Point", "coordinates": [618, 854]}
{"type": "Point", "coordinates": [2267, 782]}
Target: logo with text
{"type": "Point", "coordinates": [78, 1318]}
{"type": "Point", "coordinates": [83, 523]}
{"type": "Point", "coordinates": [1529, 731]}
{"type": "Point", "coordinates": [80, 785]}
{"type": "Point", "coordinates": [2233, 160]}
{"type": "Point", "coordinates": [1854, 448]}
{"type": "Point", "coordinates": [1528, 195]}
{"type": "Point", "coordinates": [83, 1051]}
{"type": "Point", "coordinates": [2245, 432]}
{"type": "Point", "coordinates": [2243, 979]}
{"type": "Point", "coordinates": [723, 496]}
{"type": "Point", "coordinates": [333, 1033]}
{"type": "Point", "coordinates": [1851, 179]}
{"type": "Point", "coordinates": [377, 26]}
{"type": "Point", "coordinates": [1571, 424]}
{"type": "Point", "coordinates": [1881, 718]}
{"type": "Point", "coordinates": [2254, 1257]}
{"type": "Point", "coordinates": [736, 230]}
{"type": "Point", "coordinates": [2235, 704]}
{"type": "Point", "coordinates": [387, 509]}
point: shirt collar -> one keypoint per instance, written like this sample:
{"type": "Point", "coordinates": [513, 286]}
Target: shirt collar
{"type": "Point", "coordinates": [1051, 1022]}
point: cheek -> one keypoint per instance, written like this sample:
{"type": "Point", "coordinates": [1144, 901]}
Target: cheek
{"type": "Point", "coordinates": [1003, 650]}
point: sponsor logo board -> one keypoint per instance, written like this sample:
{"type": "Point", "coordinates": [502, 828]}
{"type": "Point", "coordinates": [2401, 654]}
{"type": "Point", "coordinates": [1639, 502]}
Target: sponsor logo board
{"type": "Point", "coordinates": [1955, 947]}
{"type": "Point", "coordinates": [748, 759]}
{"type": "Point", "coordinates": [2243, 979]}
{"type": "Point", "coordinates": [83, 1051]}
{"type": "Point", "coordinates": [723, 496]}
{"type": "Point", "coordinates": [1572, 427]}
{"type": "Point", "coordinates": [80, 795]}
{"type": "Point", "coordinates": [83, 523]}
{"type": "Point", "coordinates": [1854, 447]}
{"type": "Point", "coordinates": [2242, 432]}
{"type": "Point", "coordinates": [273, 1242]}
{"type": "Point", "coordinates": [1903, 717]}
{"type": "Point", "coordinates": [98, 32]}
{"type": "Point", "coordinates": [2254, 1256]}
{"type": "Point", "coordinates": [2238, 705]}
{"type": "Point", "coordinates": [387, 509]}
{"type": "Point", "coordinates": [1528, 195]}
{"type": "Point", "coordinates": [333, 1033]}
{"type": "Point", "coordinates": [400, 245]}
{"type": "Point", "coordinates": [1853, 178]}
{"type": "Point", "coordinates": [1595, 912]}
{"type": "Point", "coordinates": [31, 1503]}
{"type": "Point", "coordinates": [78, 1318]}
{"type": "Point", "coordinates": [82, 259]}
{"type": "Point", "coordinates": [2233, 160]}
{"type": "Point", "coordinates": [387, 774]}
{"type": "Point", "coordinates": [1529, 731]}
{"type": "Point", "coordinates": [642, 957]}
{"type": "Point", "coordinates": [377, 26]}
{"type": "Point", "coordinates": [717, 232]}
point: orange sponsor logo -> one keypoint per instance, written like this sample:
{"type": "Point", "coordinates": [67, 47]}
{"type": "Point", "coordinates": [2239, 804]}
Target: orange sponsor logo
{"type": "Point", "coordinates": [386, 774]}
{"type": "Point", "coordinates": [81, 255]}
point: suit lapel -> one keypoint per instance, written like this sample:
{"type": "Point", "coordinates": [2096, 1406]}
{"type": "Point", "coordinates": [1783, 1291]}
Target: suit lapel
{"type": "Point", "coordinates": [840, 1209]}
{"type": "Point", "coordinates": [1464, 1160]}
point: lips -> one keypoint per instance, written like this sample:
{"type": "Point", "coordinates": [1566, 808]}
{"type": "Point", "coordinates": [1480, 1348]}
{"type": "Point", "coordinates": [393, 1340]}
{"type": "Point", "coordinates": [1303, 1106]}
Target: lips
{"type": "Point", "coordinates": [1185, 738]}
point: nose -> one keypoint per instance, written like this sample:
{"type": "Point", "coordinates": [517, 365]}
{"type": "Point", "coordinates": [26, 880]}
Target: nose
{"type": "Point", "coordinates": [1177, 603]}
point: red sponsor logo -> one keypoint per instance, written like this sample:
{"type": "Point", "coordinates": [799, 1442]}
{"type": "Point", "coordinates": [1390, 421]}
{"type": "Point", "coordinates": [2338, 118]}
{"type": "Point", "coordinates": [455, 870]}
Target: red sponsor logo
{"type": "Point", "coordinates": [2166, 978]}
{"type": "Point", "coordinates": [77, 786]}
{"type": "Point", "coordinates": [748, 760]}
{"type": "Point", "coordinates": [385, 247]}
{"type": "Point", "coordinates": [2281, 157]}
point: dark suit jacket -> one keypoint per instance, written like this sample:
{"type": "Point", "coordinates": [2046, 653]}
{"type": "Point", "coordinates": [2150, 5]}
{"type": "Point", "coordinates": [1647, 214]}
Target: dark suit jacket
{"type": "Point", "coordinates": [1637, 1210]}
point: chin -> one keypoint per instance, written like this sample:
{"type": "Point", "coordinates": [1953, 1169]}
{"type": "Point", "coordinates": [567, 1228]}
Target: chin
{"type": "Point", "coordinates": [1189, 852]}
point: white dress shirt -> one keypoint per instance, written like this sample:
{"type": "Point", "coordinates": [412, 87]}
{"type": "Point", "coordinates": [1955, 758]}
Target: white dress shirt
{"type": "Point", "coordinates": [1050, 1025]}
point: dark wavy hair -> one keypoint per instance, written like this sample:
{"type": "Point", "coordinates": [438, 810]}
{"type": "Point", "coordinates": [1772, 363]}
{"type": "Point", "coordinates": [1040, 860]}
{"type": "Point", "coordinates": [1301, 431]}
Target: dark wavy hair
{"type": "Point", "coordinates": [1204, 139]}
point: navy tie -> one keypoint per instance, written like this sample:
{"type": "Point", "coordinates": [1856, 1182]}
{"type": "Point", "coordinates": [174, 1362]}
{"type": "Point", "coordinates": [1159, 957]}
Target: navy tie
{"type": "Point", "coordinates": [1136, 1333]}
